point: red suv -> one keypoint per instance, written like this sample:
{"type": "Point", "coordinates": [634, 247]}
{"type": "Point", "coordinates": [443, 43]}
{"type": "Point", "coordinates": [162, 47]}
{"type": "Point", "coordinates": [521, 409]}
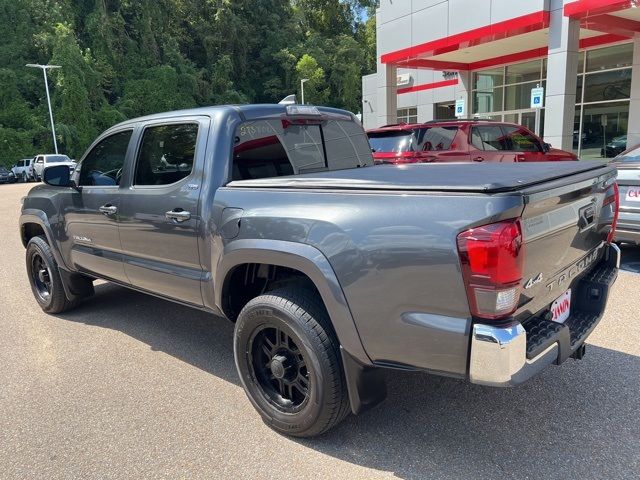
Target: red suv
{"type": "Point", "coordinates": [461, 141]}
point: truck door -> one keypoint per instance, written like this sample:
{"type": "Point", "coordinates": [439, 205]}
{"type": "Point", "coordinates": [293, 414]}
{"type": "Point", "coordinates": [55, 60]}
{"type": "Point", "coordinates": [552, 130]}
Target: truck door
{"type": "Point", "coordinates": [91, 240]}
{"type": "Point", "coordinates": [159, 222]}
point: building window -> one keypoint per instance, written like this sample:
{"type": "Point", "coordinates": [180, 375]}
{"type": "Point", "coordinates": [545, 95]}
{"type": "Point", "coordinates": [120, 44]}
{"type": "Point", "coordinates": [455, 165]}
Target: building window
{"type": "Point", "coordinates": [505, 92]}
{"type": "Point", "coordinates": [602, 98]}
{"type": "Point", "coordinates": [445, 111]}
{"type": "Point", "coordinates": [408, 115]}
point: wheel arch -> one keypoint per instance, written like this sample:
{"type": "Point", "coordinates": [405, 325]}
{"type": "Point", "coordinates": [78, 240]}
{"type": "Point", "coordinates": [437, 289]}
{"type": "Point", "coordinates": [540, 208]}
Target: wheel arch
{"type": "Point", "coordinates": [35, 222]}
{"type": "Point", "coordinates": [306, 260]}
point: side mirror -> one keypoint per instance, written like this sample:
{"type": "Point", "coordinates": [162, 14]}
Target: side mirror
{"type": "Point", "coordinates": [57, 176]}
{"type": "Point", "coordinates": [546, 147]}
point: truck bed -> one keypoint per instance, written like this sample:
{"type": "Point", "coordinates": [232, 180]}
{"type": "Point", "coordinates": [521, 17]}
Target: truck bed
{"type": "Point", "coordinates": [444, 177]}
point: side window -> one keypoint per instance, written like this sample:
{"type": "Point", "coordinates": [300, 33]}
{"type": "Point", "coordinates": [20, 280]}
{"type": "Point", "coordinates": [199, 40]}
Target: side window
{"type": "Point", "coordinates": [436, 138]}
{"type": "Point", "coordinates": [166, 154]}
{"type": "Point", "coordinates": [476, 140]}
{"type": "Point", "coordinates": [103, 165]}
{"type": "Point", "coordinates": [492, 138]}
{"type": "Point", "coordinates": [521, 140]}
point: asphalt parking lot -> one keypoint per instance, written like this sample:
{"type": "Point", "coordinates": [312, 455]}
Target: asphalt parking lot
{"type": "Point", "coordinates": [128, 386]}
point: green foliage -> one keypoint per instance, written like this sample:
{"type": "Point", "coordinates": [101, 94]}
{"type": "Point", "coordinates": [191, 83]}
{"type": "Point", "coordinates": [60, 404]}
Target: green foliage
{"type": "Point", "coordinates": [125, 58]}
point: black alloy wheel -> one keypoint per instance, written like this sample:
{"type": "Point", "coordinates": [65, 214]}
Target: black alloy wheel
{"type": "Point", "coordinates": [41, 277]}
{"type": "Point", "coordinates": [279, 368]}
{"type": "Point", "coordinates": [44, 277]}
{"type": "Point", "coordinates": [289, 363]}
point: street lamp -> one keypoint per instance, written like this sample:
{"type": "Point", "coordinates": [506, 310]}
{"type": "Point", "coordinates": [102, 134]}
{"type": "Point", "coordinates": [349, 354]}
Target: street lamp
{"type": "Point", "coordinates": [302, 88]}
{"type": "Point", "coordinates": [46, 86]}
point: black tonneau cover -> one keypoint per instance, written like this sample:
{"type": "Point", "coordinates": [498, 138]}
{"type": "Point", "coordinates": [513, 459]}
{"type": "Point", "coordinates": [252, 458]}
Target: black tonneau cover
{"type": "Point", "coordinates": [448, 177]}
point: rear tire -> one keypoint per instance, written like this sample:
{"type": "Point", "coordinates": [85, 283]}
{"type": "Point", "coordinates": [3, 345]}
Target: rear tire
{"type": "Point", "coordinates": [288, 359]}
{"type": "Point", "coordinates": [44, 277]}
{"type": "Point", "coordinates": [24, 177]}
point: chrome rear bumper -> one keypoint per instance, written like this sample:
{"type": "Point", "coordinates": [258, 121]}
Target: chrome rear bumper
{"type": "Point", "coordinates": [499, 355]}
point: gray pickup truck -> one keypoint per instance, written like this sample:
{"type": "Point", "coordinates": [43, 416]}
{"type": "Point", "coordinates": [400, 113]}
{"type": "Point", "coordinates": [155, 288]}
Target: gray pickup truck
{"type": "Point", "coordinates": [332, 269]}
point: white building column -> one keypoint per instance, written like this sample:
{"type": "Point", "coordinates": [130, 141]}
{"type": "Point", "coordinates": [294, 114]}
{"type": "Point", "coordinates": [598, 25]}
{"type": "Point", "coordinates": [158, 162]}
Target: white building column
{"type": "Point", "coordinates": [562, 70]}
{"type": "Point", "coordinates": [387, 101]}
{"type": "Point", "coordinates": [633, 133]}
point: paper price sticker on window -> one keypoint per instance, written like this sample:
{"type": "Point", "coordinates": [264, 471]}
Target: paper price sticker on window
{"type": "Point", "coordinates": [537, 97]}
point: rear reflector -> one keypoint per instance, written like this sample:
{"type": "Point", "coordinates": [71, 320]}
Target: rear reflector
{"type": "Point", "coordinates": [612, 198]}
{"type": "Point", "coordinates": [492, 260]}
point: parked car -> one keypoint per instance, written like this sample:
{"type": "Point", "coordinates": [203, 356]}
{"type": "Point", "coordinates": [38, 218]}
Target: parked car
{"type": "Point", "coordinates": [42, 161]}
{"type": "Point", "coordinates": [6, 176]}
{"type": "Point", "coordinates": [460, 141]}
{"type": "Point", "coordinates": [628, 164]}
{"type": "Point", "coordinates": [614, 147]}
{"type": "Point", "coordinates": [331, 269]}
{"type": "Point", "coordinates": [21, 169]}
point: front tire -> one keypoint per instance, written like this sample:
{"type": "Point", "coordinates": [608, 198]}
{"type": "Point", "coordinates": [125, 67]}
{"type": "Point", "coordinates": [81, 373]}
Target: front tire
{"type": "Point", "coordinates": [45, 279]}
{"type": "Point", "coordinates": [288, 359]}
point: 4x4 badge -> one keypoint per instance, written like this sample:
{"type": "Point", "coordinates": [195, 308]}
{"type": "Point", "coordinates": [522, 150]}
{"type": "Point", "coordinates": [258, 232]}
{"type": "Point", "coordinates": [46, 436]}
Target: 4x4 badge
{"type": "Point", "coordinates": [533, 281]}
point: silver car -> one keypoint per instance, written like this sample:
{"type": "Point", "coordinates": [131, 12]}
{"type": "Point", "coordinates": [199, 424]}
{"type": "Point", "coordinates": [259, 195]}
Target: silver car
{"type": "Point", "coordinates": [628, 163]}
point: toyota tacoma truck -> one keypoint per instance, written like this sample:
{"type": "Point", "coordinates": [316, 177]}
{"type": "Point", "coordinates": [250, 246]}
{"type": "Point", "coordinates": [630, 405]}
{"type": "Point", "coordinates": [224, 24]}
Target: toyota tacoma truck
{"type": "Point", "coordinates": [332, 269]}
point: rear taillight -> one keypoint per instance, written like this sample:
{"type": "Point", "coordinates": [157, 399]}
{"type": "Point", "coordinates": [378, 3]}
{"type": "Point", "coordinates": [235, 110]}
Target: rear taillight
{"type": "Point", "coordinates": [612, 198]}
{"type": "Point", "coordinates": [492, 259]}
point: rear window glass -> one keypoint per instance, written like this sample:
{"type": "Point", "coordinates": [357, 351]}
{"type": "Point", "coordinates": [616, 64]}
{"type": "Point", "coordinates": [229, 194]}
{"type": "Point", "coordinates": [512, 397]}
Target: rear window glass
{"type": "Point", "coordinates": [56, 158]}
{"type": "Point", "coordinates": [392, 142]}
{"type": "Point", "coordinates": [276, 147]}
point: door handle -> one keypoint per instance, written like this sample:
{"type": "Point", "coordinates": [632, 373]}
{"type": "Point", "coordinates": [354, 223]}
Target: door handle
{"type": "Point", "coordinates": [108, 209]}
{"type": "Point", "coordinates": [478, 159]}
{"type": "Point", "coordinates": [520, 158]}
{"type": "Point", "coordinates": [177, 215]}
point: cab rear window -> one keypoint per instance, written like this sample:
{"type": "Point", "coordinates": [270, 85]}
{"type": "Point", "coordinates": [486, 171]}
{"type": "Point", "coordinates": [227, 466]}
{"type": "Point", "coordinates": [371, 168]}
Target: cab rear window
{"type": "Point", "coordinates": [281, 147]}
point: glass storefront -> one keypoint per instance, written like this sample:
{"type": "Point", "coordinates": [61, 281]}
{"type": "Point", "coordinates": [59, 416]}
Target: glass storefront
{"type": "Point", "coordinates": [504, 93]}
{"type": "Point", "coordinates": [602, 97]}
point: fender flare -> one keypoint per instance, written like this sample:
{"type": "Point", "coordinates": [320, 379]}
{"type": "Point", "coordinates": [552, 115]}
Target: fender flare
{"type": "Point", "coordinates": [308, 260]}
{"type": "Point", "coordinates": [38, 217]}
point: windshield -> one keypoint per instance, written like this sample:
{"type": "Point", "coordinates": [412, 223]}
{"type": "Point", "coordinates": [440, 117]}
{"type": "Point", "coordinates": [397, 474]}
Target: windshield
{"type": "Point", "coordinates": [392, 142]}
{"type": "Point", "coordinates": [629, 157]}
{"type": "Point", "coordinates": [3, 170]}
{"type": "Point", "coordinates": [56, 158]}
{"type": "Point", "coordinates": [280, 147]}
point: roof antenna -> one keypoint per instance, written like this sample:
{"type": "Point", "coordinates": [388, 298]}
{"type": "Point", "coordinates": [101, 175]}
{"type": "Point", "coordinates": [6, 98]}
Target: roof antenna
{"type": "Point", "coordinates": [288, 100]}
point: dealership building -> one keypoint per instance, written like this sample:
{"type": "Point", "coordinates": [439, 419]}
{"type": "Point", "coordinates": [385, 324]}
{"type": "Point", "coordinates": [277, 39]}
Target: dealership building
{"type": "Point", "coordinates": [482, 58]}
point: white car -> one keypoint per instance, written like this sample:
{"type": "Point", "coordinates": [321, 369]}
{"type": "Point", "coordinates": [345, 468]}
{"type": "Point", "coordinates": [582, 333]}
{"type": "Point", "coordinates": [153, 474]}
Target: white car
{"type": "Point", "coordinates": [40, 162]}
{"type": "Point", "coordinates": [22, 169]}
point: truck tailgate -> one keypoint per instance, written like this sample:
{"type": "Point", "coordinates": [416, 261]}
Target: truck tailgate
{"type": "Point", "coordinates": [565, 225]}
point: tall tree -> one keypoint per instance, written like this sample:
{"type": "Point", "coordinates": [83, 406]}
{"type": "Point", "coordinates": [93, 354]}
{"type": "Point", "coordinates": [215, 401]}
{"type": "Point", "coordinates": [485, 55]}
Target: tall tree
{"type": "Point", "coordinates": [124, 58]}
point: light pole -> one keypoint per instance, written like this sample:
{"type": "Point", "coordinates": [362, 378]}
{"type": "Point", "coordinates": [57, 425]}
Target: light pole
{"type": "Point", "coordinates": [302, 87]}
{"type": "Point", "coordinates": [46, 86]}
